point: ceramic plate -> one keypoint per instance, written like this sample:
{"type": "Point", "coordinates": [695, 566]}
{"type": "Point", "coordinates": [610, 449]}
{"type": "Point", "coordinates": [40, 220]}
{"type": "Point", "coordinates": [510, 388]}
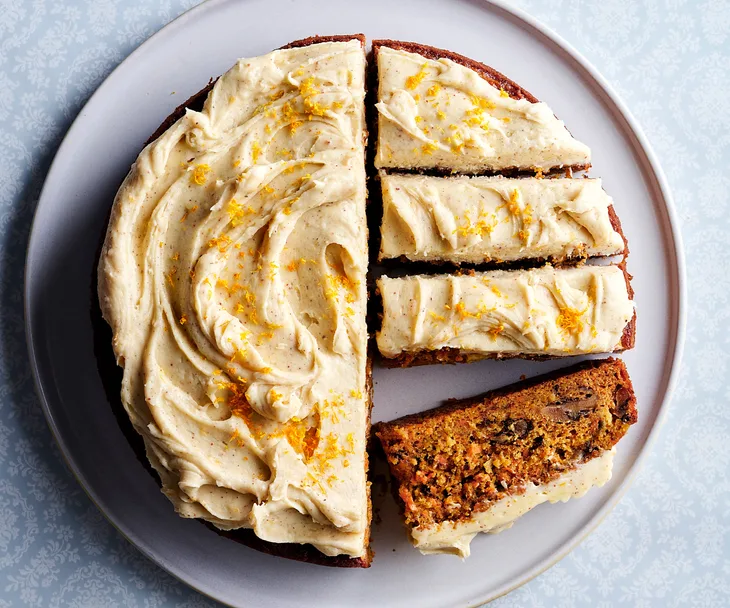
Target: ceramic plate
{"type": "Point", "coordinates": [71, 354]}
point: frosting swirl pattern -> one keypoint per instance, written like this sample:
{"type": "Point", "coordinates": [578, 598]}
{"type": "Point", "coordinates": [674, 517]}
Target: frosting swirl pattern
{"type": "Point", "coordinates": [233, 277]}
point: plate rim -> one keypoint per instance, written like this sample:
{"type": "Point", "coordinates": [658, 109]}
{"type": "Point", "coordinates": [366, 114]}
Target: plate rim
{"type": "Point", "coordinates": [652, 168]}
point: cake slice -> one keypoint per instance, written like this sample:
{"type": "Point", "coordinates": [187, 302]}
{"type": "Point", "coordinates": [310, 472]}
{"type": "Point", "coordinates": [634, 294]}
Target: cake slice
{"type": "Point", "coordinates": [476, 465]}
{"type": "Point", "coordinates": [478, 220]}
{"type": "Point", "coordinates": [441, 111]}
{"type": "Point", "coordinates": [534, 314]}
{"type": "Point", "coordinates": [233, 278]}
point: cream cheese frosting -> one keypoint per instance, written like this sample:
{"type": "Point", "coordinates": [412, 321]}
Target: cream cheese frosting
{"type": "Point", "coordinates": [441, 114]}
{"type": "Point", "coordinates": [479, 219]}
{"type": "Point", "coordinates": [546, 311]}
{"type": "Point", "coordinates": [454, 537]}
{"type": "Point", "coordinates": [233, 277]}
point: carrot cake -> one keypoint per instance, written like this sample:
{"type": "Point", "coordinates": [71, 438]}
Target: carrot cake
{"type": "Point", "coordinates": [480, 220]}
{"type": "Point", "coordinates": [478, 464]}
{"type": "Point", "coordinates": [233, 278]}
{"type": "Point", "coordinates": [545, 312]}
{"type": "Point", "coordinates": [441, 111]}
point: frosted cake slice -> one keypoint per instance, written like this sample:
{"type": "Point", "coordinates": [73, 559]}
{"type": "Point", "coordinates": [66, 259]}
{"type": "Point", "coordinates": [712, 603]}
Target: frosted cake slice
{"type": "Point", "coordinates": [535, 314]}
{"type": "Point", "coordinates": [441, 111]}
{"type": "Point", "coordinates": [476, 465]}
{"type": "Point", "coordinates": [478, 220]}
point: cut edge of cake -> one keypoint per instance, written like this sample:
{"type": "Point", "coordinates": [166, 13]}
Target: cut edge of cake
{"type": "Point", "coordinates": [570, 405]}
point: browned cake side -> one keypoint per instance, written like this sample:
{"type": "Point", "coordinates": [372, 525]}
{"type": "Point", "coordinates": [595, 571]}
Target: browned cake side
{"type": "Point", "coordinates": [616, 225]}
{"type": "Point", "coordinates": [304, 553]}
{"type": "Point", "coordinates": [495, 78]}
{"type": "Point", "coordinates": [458, 459]}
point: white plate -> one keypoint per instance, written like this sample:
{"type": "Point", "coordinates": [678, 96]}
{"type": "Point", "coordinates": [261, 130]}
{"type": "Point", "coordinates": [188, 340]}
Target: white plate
{"type": "Point", "coordinates": [65, 347]}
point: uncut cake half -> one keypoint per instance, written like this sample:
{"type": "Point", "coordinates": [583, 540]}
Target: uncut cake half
{"type": "Point", "coordinates": [233, 278]}
{"type": "Point", "coordinates": [438, 110]}
{"type": "Point", "coordinates": [476, 465]}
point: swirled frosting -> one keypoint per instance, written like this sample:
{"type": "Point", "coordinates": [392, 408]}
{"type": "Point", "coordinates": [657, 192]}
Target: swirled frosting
{"type": "Point", "coordinates": [441, 114]}
{"type": "Point", "coordinates": [233, 277]}
{"type": "Point", "coordinates": [547, 311]}
{"type": "Point", "coordinates": [455, 537]}
{"type": "Point", "coordinates": [478, 219]}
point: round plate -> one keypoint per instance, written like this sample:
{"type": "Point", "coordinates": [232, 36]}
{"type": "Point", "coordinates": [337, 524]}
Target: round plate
{"type": "Point", "coordinates": [70, 351]}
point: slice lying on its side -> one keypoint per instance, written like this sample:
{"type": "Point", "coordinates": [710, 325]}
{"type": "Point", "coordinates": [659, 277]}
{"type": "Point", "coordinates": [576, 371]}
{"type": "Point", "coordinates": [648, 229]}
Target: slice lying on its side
{"type": "Point", "coordinates": [479, 220]}
{"type": "Point", "coordinates": [441, 111]}
{"type": "Point", "coordinates": [533, 314]}
{"type": "Point", "coordinates": [476, 465]}
{"type": "Point", "coordinates": [240, 223]}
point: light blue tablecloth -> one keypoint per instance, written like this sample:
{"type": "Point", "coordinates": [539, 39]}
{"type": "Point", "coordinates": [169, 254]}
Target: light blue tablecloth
{"type": "Point", "coordinates": [666, 544]}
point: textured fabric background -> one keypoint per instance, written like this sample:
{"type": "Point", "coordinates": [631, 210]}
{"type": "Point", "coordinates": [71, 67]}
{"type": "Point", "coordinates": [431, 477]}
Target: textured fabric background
{"type": "Point", "coordinates": [668, 541]}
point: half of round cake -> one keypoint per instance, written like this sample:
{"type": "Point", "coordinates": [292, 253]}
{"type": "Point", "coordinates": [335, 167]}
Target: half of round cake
{"type": "Point", "coordinates": [233, 278]}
